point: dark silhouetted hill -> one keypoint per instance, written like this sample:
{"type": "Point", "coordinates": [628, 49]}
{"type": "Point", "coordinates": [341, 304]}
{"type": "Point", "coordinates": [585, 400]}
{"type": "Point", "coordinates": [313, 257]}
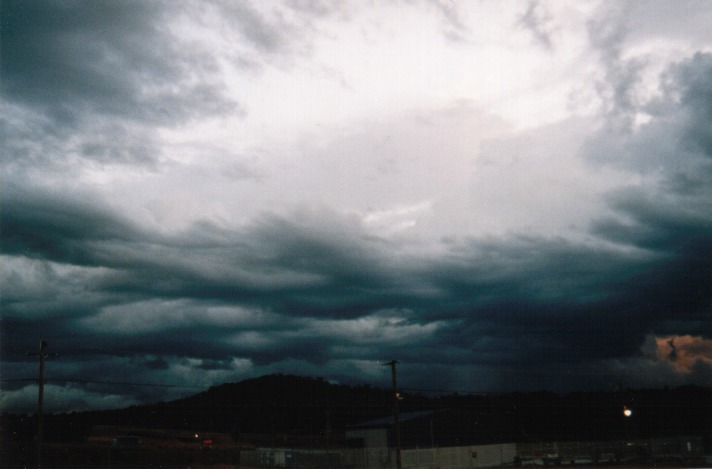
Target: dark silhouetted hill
{"type": "Point", "coordinates": [313, 411]}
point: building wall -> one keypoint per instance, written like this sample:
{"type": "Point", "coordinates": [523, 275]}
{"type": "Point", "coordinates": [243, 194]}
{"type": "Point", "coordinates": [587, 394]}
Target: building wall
{"type": "Point", "coordinates": [372, 438]}
{"type": "Point", "coordinates": [369, 458]}
{"type": "Point", "coordinates": [462, 457]}
{"type": "Point", "coordinates": [291, 458]}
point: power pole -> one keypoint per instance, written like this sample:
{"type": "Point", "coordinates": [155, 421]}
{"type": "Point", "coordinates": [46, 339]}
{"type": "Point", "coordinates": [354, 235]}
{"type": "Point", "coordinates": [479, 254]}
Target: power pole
{"type": "Point", "coordinates": [396, 417]}
{"type": "Point", "coordinates": [42, 354]}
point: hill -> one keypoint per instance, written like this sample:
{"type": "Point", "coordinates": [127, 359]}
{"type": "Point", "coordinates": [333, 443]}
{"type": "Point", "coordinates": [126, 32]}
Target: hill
{"type": "Point", "coordinates": [309, 410]}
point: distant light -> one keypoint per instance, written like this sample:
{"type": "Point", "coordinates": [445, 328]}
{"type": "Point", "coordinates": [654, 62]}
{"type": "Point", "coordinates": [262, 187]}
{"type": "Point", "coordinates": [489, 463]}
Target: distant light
{"type": "Point", "coordinates": [197, 436]}
{"type": "Point", "coordinates": [627, 412]}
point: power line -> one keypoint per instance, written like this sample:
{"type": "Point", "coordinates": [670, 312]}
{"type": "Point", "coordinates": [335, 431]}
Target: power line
{"type": "Point", "coordinates": [127, 383]}
{"type": "Point", "coordinates": [115, 383]}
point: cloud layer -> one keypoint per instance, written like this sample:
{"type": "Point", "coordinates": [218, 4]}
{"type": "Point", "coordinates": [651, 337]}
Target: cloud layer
{"type": "Point", "coordinates": [210, 192]}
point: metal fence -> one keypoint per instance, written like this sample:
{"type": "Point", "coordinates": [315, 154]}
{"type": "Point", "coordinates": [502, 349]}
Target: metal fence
{"type": "Point", "coordinates": [608, 451]}
{"type": "Point", "coordinates": [471, 457]}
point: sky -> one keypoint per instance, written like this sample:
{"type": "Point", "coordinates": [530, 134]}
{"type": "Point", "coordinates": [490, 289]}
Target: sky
{"type": "Point", "coordinates": [501, 195]}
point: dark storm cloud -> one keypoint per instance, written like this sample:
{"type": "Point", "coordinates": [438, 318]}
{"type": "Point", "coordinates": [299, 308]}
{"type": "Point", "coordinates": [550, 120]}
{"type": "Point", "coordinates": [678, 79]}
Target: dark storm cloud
{"type": "Point", "coordinates": [55, 228]}
{"type": "Point", "coordinates": [109, 58]}
{"type": "Point", "coordinates": [669, 215]}
{"type": "Point", "coordinates": [99, 70]}
{"type": "Point", "coordinates": [514, 308]}
{"type": "Point", "coordinates": [510, 301]}
{"type": "Point", "coordinates": [673, 218]}
{"type": "Point", "coordinates": [692, 80]}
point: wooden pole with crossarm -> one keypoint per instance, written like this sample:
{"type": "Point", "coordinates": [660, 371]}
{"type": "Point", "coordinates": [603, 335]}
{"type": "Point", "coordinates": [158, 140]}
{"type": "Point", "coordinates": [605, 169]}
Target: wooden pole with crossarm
{"type": "Point", "coordinates": [396, 417]}
{"type": "Point", "coordinates": [42, 355]}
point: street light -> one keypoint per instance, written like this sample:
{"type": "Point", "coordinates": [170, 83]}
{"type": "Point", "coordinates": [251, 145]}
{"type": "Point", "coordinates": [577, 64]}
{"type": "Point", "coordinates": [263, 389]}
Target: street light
{"type": "Point", "coordinates": [627, 413]}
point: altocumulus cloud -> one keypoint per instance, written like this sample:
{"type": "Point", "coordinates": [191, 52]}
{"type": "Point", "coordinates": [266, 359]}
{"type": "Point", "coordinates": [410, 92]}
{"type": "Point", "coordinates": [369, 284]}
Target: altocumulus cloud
{"type": "Point", "coordinates": [196, 194]}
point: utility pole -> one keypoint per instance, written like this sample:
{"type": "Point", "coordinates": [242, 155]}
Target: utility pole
{"type": "Point", "coordinates": [396, 418]}
{"type": "Point", "coordinates": [42, 354]}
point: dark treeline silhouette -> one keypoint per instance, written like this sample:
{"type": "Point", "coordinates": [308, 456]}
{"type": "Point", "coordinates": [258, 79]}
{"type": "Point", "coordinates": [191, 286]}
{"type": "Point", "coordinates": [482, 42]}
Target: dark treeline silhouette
{"type": "Point", "coordinates": [281, 407]}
